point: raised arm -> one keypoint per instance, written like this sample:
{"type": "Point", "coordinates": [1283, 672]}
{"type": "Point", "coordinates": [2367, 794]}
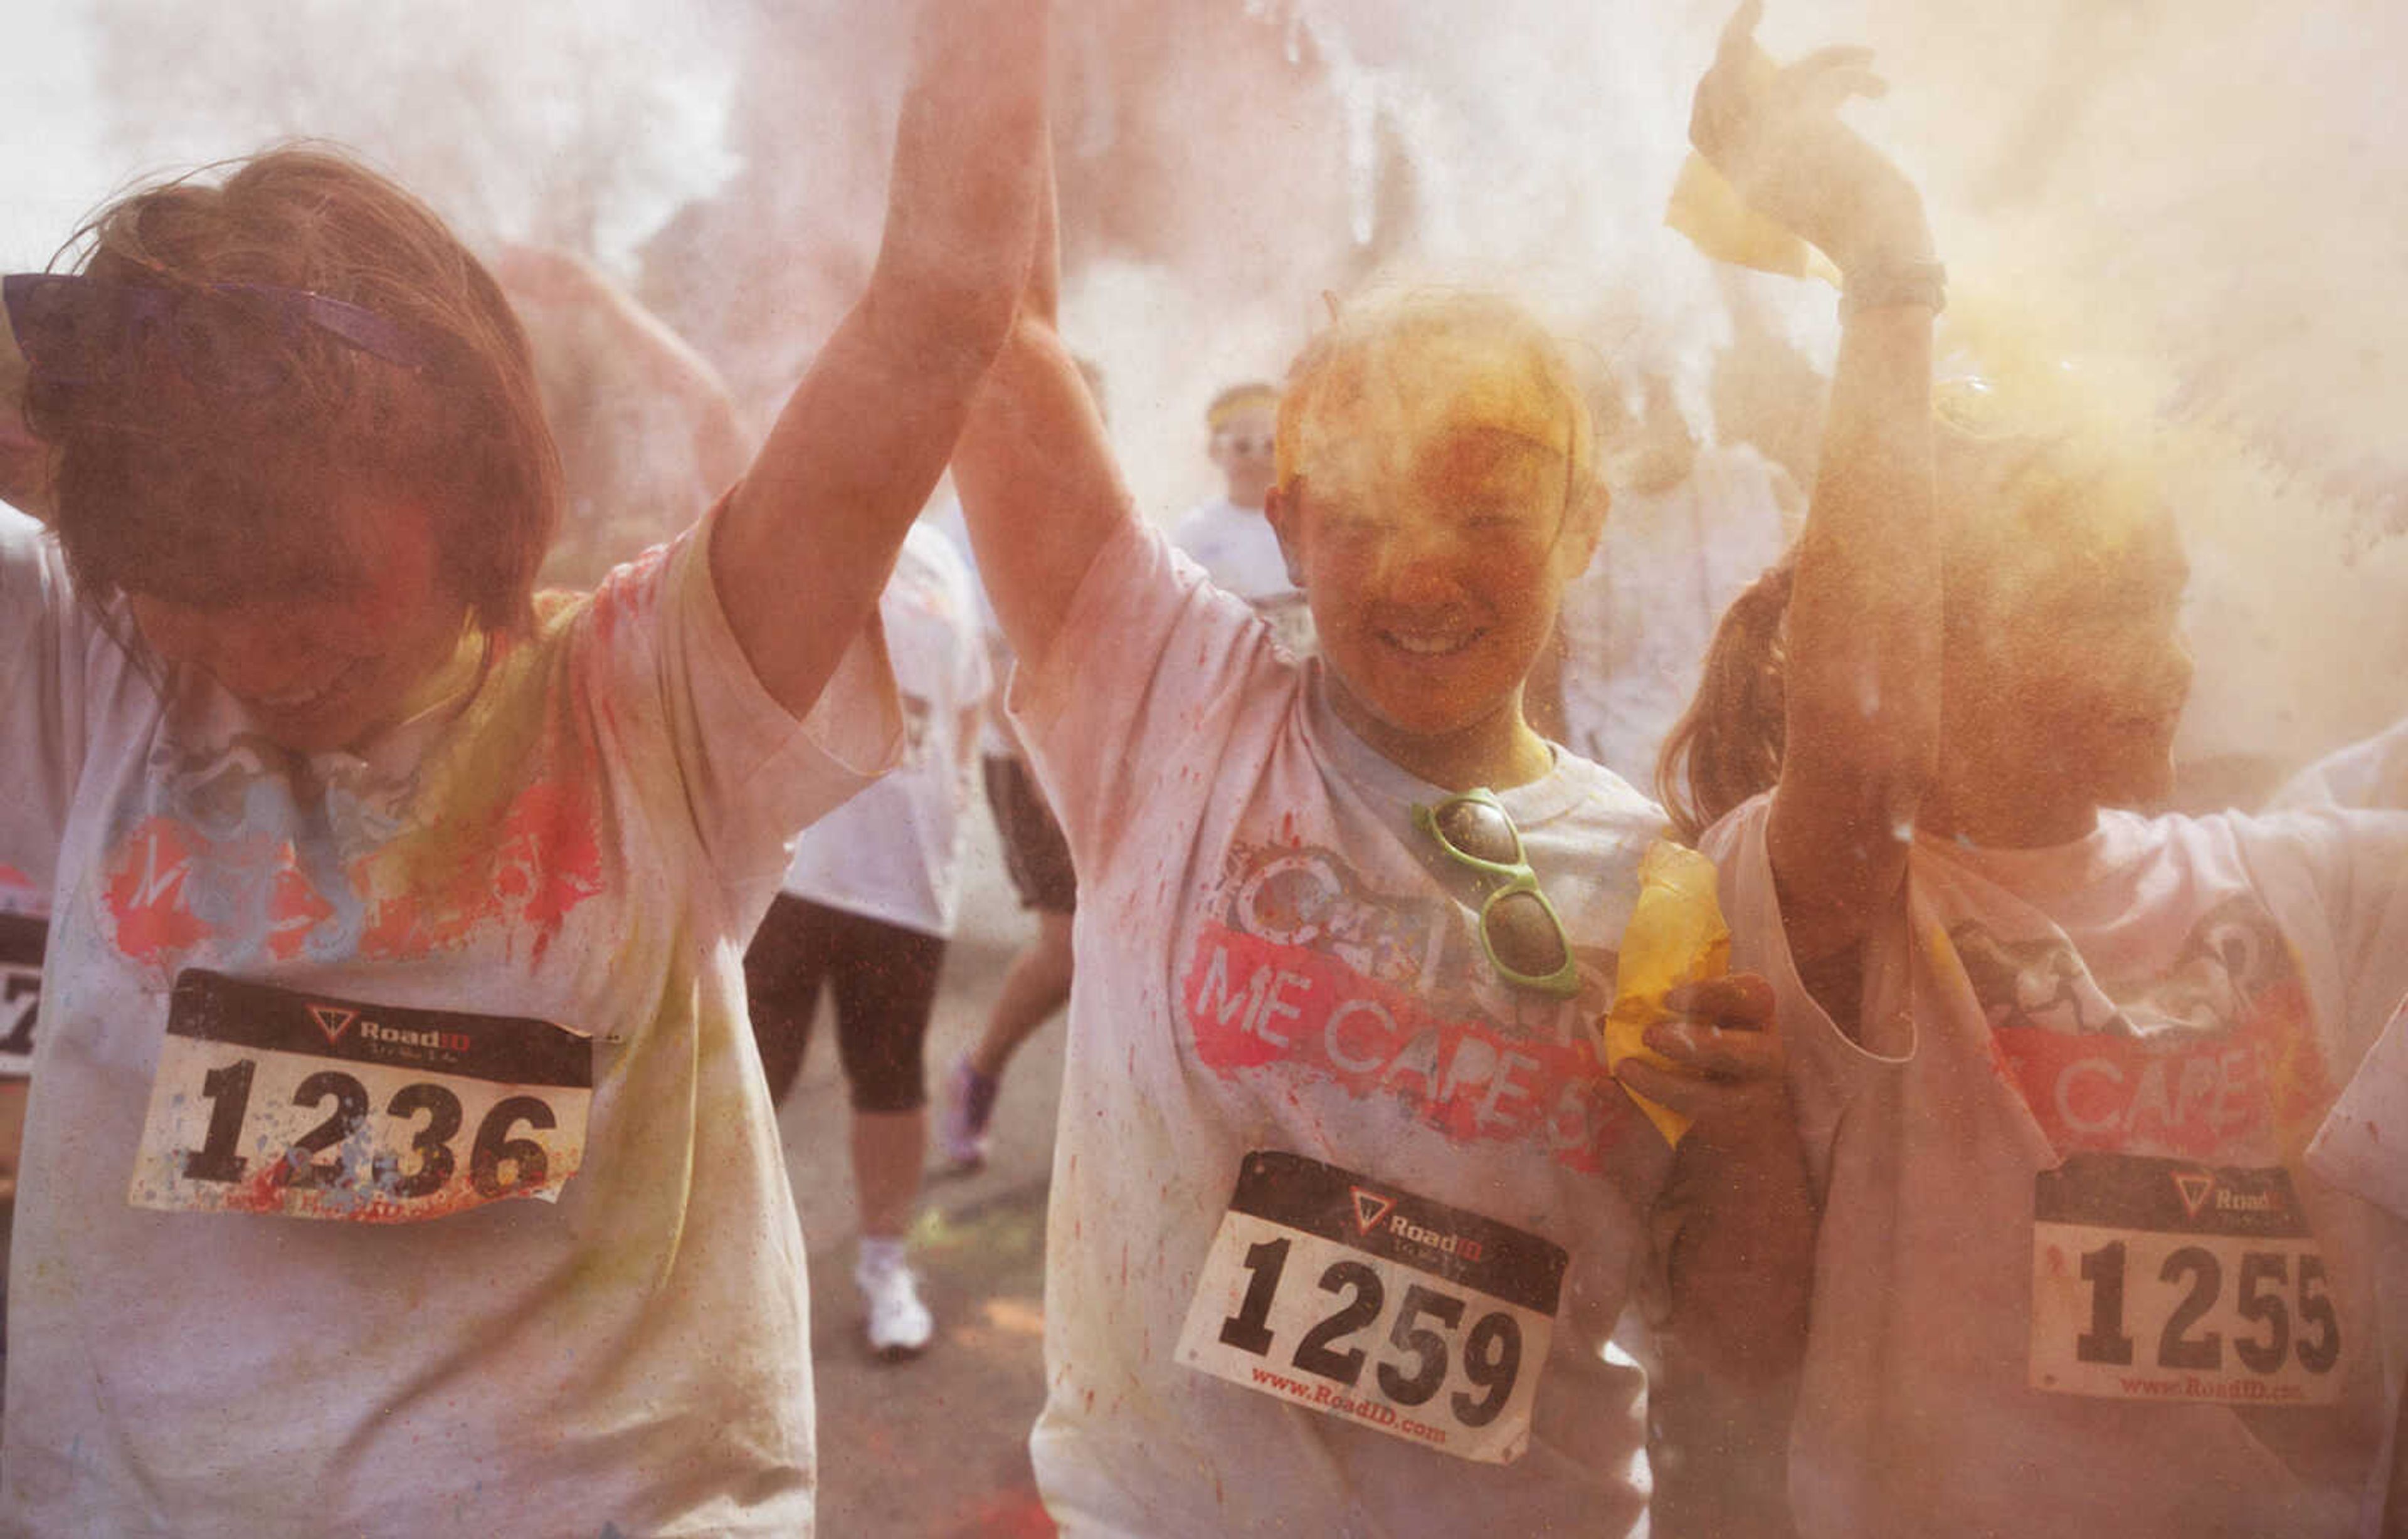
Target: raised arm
{"type": "Point", "coordinates": [1863, 640]}
{"type": "Point", "coordinates": [807, 539]}
{"type": "Point", "coordinates": [1035, 469]}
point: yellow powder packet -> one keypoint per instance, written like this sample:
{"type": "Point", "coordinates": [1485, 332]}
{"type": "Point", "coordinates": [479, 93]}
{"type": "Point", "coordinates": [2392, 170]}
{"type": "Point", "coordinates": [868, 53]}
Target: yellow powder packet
{"type": "Point", "coordinates": [1709, 211]}
{"type": "Point", "coordinates": [1676, 936]}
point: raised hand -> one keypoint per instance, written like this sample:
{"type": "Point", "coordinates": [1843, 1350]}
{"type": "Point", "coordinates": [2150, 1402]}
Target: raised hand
{"type": "Point", "coordinates": [1774, 133]}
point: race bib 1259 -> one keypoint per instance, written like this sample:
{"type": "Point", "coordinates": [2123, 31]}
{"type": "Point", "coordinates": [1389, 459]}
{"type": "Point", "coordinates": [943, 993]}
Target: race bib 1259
{"type": "Point", "coordinates": [272, 1100]}
{"type": "Point", "coordinates": [1344, 1295]}
{"type": "Point", "coordinates": [2166, 1280]}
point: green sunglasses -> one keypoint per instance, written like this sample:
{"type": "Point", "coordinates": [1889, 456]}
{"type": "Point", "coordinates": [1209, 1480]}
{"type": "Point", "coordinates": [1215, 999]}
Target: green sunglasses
{"type": "Point", "coordinates": [1519, 929]}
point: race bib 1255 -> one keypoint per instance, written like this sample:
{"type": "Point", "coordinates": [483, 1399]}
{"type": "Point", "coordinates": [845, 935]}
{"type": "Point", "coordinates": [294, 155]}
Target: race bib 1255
{"type": "Point", "coordinates": [2165, 1280]}
{"type": "Point", "coordinates": [272, 1100]}
{"type": "Point", "coordinates": [1347, 1296]}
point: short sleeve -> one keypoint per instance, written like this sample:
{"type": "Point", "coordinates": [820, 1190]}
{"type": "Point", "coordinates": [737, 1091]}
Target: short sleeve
{"type": "Point", "coordinates": [1145, 688]}
{"type": "Point", "coordinates": [753, 774]}
{"type": "Point", "coordinates": [2372, 774]}
{"type": "Point", "coordinates": [2348, 868]}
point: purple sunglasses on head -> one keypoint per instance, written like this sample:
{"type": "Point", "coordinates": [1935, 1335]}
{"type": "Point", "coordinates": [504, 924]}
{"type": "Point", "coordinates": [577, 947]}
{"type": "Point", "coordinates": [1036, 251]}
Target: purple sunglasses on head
{"type": "Point", "coordinates": [82, 331]}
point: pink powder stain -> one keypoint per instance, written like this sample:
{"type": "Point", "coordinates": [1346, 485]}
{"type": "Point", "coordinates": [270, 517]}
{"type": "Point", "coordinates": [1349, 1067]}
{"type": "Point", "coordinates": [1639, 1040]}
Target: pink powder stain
{"type": "Point", "coordinates": [546, 860]}
{"type": "Point", "coordinates": [1251, 1003]}
{"type": "Point", "coordinates": [145, 892]}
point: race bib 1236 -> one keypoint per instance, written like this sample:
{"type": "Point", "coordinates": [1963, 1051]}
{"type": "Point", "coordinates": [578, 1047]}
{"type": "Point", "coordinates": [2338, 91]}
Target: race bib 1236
{"type": "Point", "coordinates": [272, 1100]}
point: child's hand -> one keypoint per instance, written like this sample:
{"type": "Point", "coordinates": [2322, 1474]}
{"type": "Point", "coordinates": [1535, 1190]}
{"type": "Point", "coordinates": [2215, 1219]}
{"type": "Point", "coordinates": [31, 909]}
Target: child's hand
{"type": "Point", "coordinates": [1775, 135]}
{"type": "Point", "coordinates": [1730, 1077]}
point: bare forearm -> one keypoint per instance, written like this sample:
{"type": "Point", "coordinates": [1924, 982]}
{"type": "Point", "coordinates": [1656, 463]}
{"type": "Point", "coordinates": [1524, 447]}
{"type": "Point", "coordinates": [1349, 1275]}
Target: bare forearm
{"type": "Point", "coordinates": [1863, 684]}
{"type": "Point", "coordinates": [1039, 485]}
{"type": "Point", "coordinates": [808, 540]}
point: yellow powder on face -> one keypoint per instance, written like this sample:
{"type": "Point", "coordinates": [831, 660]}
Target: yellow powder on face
{"type": "Point", "coordinates": [1399, 374]}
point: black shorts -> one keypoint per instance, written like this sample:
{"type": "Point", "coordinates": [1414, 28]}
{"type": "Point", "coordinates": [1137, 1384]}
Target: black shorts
{"type": "Point", "coordinates": [884, 978]}
{"type": "Point", "coordinates": [1034, 851]}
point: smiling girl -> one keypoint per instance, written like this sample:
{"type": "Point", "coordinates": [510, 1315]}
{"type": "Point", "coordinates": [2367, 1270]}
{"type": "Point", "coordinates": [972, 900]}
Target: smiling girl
{"type": "Point", "coordinates": [1344, 1212]}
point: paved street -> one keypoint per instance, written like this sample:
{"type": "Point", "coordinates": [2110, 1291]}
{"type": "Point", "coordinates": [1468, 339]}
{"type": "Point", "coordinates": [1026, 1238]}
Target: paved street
{"type": "Point", "coordinates": [936, 1446]}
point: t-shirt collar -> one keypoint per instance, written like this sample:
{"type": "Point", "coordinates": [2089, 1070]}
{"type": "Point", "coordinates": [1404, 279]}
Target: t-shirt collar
{"type": "Point", "coordinates": [1381, 780]}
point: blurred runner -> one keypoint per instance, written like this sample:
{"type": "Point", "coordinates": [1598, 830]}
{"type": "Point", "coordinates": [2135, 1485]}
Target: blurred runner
{"type": "Point", "coordinates": [1228, 536]}
{"type": "Point", "coordinates": [865, 914]}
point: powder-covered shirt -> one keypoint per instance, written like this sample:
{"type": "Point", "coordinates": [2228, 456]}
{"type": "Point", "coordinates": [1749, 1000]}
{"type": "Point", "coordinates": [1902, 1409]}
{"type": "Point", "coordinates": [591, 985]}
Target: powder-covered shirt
{"type": "Point", "coordinates": [583, 833]}
{"type": "Point", "coordinates": [894, 852]}
{"type": "Point", "coordinates": [1272, 957]}
{"type": "Point", "coordinates": [2087, 1074]}
{"type": "Point", "coordinates": [2369, 774]}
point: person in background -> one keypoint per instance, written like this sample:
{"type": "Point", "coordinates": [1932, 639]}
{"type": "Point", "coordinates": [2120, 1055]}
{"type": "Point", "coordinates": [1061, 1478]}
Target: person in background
{"type": "Point", "coordinates": [1693, 524]}
{"type": "Point", "coordinates": [1037, 858]}
{"type": "Point", "coordinates": [865, 914]}
{"type": "Point", "coordinates": [402, 1157]}
{"type": "Point", "coordinates": [2056, 1061]}
{"type": "Point", "coordinates": [645, 426]}
{"type": "Point", "coordinates": [1228, 536]}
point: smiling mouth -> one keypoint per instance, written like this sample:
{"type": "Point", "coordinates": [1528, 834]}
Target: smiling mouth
{"type": "Point", "coordinates": [1431, 643]}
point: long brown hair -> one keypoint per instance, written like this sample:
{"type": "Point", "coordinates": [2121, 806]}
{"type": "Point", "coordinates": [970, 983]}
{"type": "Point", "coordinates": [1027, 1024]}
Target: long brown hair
{"type": "Point", "coordinates": [1726, 746]}
{"type": "Point", "coordinates": [207, 498]}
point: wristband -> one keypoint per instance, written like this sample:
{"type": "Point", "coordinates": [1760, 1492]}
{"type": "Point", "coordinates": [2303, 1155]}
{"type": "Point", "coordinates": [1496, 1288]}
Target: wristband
{"type": "Point", "coordinates": [1881, 284]}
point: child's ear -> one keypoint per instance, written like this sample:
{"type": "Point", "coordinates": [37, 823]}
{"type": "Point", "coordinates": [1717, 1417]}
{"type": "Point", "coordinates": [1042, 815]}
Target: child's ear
{"type": "Point", "coordinates": [1279, 507]}
{"type": "Point", "coordinates": [1583, 525]}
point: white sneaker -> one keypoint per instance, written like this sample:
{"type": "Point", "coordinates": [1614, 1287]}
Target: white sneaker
{"type": "Point", "coordinates": [899, 1323]}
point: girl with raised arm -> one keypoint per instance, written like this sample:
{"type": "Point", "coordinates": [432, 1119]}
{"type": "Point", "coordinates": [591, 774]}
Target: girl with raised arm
{"type": "Point", "coordinates": [2055, 1061]}
{"type": "Point", "coordinates": [389, 894]}
{"type": "Point", "coordinates": [1344, 1212]}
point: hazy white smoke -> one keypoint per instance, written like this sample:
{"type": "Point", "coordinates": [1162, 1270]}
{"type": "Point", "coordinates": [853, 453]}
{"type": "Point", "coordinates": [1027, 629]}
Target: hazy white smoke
{"type": "Point", "coordinates": [2205, 192]}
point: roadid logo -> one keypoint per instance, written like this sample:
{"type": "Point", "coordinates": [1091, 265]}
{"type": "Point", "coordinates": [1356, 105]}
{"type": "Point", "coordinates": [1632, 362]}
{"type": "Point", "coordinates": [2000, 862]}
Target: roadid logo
{"type": "Point", "coordinates": [1370, 1208]}
{"type": "Point", "coordinates": [333, 1020]}
{"type": "Point", "coordinates": [1461, 1246]}
{"type": "Point", "coordinates": [336, 1022]}
{"type": "Point", "coordinates": [2194, 1187]}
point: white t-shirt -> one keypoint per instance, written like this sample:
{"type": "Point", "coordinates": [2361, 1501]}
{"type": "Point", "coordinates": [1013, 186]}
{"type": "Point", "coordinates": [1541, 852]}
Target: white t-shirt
{"type": "Point", "coordinates": [1636, 625]}
{"type": "Point", "coordinates": [1239, 552]}
{"type": "Point", "coordinates": [894, 852]}
{"type": "Point", "coordinates": [1266, 963]}
{"type": "Point", "coordinates": [2153, 1016]}
{"type": "Point", "coordinates": [587, 836]}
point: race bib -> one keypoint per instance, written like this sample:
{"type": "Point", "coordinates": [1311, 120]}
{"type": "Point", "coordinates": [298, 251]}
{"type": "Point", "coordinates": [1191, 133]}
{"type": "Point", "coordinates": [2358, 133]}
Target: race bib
{"type": "Point", "coordinates": [2167, 1281]}
{"type": "Point", "coordinates": [22, 938]}
{"type": "Point", "coordinates": [269, 1100]}
{"type": "Point", "coordinates": [1346, 1296]}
